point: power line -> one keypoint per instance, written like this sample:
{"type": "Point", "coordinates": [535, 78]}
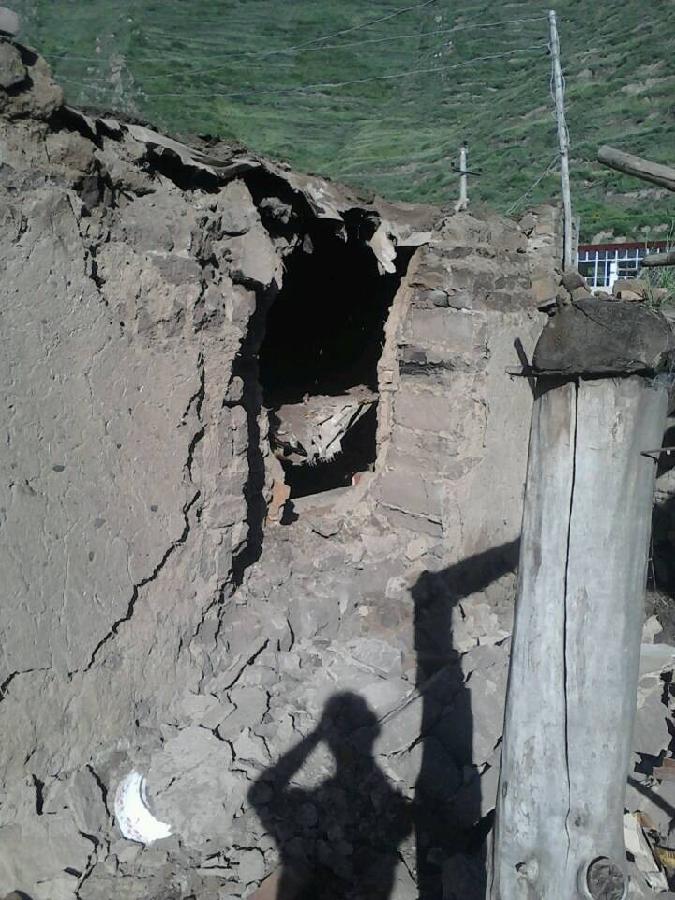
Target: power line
{"type": "Point", "coordinates": [328, 85]}
{"type": "Point", "coordinates": [547, 171]}
{"type": "Point", "coordinates": [317, 87]}
{"type": "Point", "coordinates": [310, 46]}
{"type": "Point", "coordinates": [255, 54]}
{"type": "Point", "coordinates": [200, 70]}
{"type": "Point", "coordinates": [387, 18]}
{"type": "Point", "coordinates": [421, 34]}
{"type": "Point", "coordinates": [129, 61]}
{"type": "Point", "coordinates": [431, 52]}
{"type": "Point", "coordinates": [352, 28]}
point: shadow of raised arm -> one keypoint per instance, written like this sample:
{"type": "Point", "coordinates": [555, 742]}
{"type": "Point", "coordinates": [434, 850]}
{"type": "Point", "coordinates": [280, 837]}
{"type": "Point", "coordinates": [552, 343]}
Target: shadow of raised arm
{"type": "Point", "coordinates": [279, 775]}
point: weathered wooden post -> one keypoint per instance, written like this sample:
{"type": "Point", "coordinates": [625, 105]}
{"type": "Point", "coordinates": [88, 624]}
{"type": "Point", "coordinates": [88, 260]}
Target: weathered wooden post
{"type": "Point", "coordinates": [601, 399]}
{"type": "Point", "coordinates": [558, 86]}
{"type": "Point", "coordinates": [463, 202]}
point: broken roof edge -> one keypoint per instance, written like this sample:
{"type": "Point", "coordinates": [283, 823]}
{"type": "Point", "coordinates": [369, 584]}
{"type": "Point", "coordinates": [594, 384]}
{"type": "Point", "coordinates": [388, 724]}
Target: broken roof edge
{"type": "Point", "coordinates": [400, 224]}
{"type": "Point", "coordinates": [217, 162]}
{"type": "Point", "coordinates": [412, 223]}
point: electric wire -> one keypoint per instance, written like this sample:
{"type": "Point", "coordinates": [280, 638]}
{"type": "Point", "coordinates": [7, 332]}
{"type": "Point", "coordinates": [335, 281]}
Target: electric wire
{"type": "Point", "coordinates": [351, 29]}
{"type": "Point", "coordinates": [547, 171]}
{"type": "Point", "coordinates": [319, 87]}
{"type": "Point", "coordinates": [197, 71]}
{"type": "Point", "coordinates": [255, 54]}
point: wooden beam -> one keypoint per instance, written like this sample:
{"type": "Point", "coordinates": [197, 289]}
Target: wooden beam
{"type": "Point", "coordinates": [657, 173]}
{"type": "Point", "coordinates": [660, 259]}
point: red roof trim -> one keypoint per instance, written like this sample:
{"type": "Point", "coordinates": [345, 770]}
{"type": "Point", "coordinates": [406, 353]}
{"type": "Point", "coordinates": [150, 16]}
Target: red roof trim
{"type": "Point", "coordinates": [627, 245]}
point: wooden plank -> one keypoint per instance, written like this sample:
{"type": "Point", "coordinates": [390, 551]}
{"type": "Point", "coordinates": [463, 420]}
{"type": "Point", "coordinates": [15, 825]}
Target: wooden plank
{"type": "Point", "coordinates": [610, 526]}
{"type": "Point", "coordinates": [656, 173]}
{"type": "Point", "coordinates": [575, 652]}
{"type": "Point", "coordinates": [660, 259]}
{"type": "Point", "coordinates": [533, 745]}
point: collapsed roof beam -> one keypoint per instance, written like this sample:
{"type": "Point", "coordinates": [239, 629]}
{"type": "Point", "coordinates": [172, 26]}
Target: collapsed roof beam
{"type": "Point", "coordinates": [656, 173]}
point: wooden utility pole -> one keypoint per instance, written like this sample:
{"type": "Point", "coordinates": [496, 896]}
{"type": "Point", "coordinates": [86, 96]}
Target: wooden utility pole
{"type": "Point", "coordinates": [463, 201]}
{"type": "Point", "coordinates": [563, 137]}
{"type": "Point", "coordinates": [570, 705]}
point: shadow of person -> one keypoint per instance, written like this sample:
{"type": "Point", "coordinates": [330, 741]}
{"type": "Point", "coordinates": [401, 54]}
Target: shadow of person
{"type": "Point", "coordinates": [666, 461]}
{"type": "Point", "coordinates": [661, 569]}
{"type": "Point", "coordinates": [339, 840]}
{"type": "Point", "coordinates": [448, 821]}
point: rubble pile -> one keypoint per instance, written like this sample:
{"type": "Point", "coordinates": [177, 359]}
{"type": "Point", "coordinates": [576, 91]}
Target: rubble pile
{"type": "Point", "coordinates": [573, 287]}
{"type": "Point", "coordinates": [257, 606]}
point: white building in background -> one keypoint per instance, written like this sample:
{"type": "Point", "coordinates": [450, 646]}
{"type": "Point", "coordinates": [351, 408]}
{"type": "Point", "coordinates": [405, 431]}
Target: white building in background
{"type": "Point", "coordinates": [603, 264]}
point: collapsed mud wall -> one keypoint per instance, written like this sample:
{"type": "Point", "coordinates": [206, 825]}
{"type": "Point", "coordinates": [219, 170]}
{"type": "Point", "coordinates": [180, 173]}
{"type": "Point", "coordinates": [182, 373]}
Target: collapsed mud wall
{"type": "Point", "coordinates": [158, 617]}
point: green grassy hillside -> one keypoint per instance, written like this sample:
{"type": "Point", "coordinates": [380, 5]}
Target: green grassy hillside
{"type": "Point", "coordinates": [262, 72]}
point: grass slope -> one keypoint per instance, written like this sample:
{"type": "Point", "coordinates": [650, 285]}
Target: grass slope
{"type": "Point", "coordinates": [225, 67]}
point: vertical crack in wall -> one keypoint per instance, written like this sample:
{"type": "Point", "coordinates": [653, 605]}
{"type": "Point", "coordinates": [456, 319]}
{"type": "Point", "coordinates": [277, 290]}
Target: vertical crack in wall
{"type": "Point", "coordinates": [245, 366]}
{"type": "Point", "coordinates": [137, 587]}
{"type": "Point", "coordinates": [39, 794]}
{"type": "Point", "coordinates": [196, 400]}
{"type": "Point", "coordinates": [247, 370]}
{"type": "Point", "coordinates": [566, 642]}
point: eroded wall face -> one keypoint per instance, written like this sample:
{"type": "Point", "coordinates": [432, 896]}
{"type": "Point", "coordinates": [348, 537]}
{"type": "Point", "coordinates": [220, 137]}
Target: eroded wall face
{"type": "Point", "coordinates": [150, 621]}
{"type": "Point", "coordinates": [125, 303]}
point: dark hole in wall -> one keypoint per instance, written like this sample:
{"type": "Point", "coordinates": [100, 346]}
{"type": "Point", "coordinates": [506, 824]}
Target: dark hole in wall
{"type": "Point", "coordinates": [324, 335]}
{"type": "Point", "coordinates": [324, 331]}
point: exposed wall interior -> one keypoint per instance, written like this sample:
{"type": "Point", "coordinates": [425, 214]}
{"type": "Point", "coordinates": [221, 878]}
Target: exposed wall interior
{"type": "Point", "coordinates": [318, 360]}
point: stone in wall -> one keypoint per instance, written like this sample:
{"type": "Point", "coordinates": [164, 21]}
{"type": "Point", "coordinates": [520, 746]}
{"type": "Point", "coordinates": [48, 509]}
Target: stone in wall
{"type": "Point", "coordinates": [543, 227]}
{"type": "Point", "coordinates": [456, 424]}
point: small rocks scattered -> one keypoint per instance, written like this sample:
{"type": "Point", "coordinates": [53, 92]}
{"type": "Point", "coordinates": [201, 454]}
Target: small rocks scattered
{"type": "Point", "coordinates": [573, 287]}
